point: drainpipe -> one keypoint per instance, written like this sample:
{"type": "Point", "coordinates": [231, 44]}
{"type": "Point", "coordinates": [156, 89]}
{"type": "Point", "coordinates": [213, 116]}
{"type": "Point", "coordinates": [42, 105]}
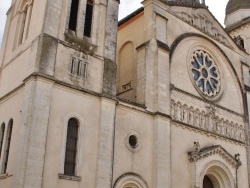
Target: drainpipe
{"type": "Point", "coordinates": [113, 157]}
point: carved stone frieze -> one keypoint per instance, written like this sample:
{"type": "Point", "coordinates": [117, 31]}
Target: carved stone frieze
{"type": "Point", "coordinates": [196, 103]}
{"type": "Point", "coordinates": [208, 120]}
{"type": "Point", "coordinates": [201, 22]}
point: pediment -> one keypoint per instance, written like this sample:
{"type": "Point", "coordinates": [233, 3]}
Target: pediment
{"type": "Point", "coordinates": [203, 20]}
{"type": "Point", "coordinates": [198, 154]}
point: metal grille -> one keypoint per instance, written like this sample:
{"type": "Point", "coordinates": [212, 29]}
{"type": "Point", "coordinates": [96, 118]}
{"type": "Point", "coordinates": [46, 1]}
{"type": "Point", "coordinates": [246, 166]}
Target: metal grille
{"type": "Point", "coordinates": [1, 138]}
{"type": "Point", "coordinates": [73, 15]}
{"type": "Point", "coordinates": [71, 147]}
{"type": "Point", "coordinates": [5, 164]}
{"type": "Point", "coordinates": [88, 18]}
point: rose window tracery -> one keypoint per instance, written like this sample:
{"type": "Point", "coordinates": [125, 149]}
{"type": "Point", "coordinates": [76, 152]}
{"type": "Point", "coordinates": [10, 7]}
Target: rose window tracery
{"type": "Point", "coordinates": [205, 73]}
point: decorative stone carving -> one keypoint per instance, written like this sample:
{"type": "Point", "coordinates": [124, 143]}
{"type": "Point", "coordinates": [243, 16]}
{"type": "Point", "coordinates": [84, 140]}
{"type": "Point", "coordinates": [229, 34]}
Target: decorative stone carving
{"type": "Point", "coordinates": [196, 147]}
{"type": "Point", "coordinates": [198, 154]}
{"type": "Point", "coordinates": [204, 24]}
{"type": "Point", "coordinates": [178, 95]}
{"type": "Point", "coordinates": [205, 74]}
{"type": "Point", "coordinates": [207, 121]}
{"type": "Point", "coordinates": [216, 161]}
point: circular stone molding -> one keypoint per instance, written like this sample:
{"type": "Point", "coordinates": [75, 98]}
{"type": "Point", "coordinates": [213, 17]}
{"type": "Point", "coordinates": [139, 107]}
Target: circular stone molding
{"type": "Point", "coordinates": [130, 179]}
{"type": "Point", "coordinates": [133, 141]}
{"type": "Point", "coordinates": [205, 75]}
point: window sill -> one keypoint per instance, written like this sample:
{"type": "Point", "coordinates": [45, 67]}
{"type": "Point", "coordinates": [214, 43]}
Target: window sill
{"type": "Point", "coordinates": [3, 176]}
{"type": "Point", "coordinates": [84, 44]}
{"type": "Point", "coordinates": [72, 178]}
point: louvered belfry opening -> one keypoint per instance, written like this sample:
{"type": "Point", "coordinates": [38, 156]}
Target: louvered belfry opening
{"type": "Point", "coordinates": [71, 147]}
{"type": "Point", "coordinates": [73, 15]}
{"type": "Point", "coordinates": [88, 18]}
{"type": "Point", "coordinates": [9, 133]}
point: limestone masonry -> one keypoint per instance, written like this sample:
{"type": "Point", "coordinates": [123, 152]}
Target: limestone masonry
{"type": "Point", "coordinates": [160, 99]}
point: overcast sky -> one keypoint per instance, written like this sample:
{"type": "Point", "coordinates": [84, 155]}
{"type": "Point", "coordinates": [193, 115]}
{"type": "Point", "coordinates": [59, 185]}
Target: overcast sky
{"type": "Point", "coordinates": [217, 7]}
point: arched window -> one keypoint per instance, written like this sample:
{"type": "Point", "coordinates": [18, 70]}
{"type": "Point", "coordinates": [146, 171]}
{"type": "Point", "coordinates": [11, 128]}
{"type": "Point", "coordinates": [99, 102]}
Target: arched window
{"type": "Point", "coordinates": [71, 147]}
{"type": "Point", "coordinates": [73, 15]}
{"type": "Point", "coordinates": [22, 27]}
{"type": "Point", "coordinates": [1, 138]}
{"type": "Point", "coordinates": [88, 18]}
{"type": "Point", "coordinates": [24, 18]}
{"type": "Point", "coordinates": [7, 146]}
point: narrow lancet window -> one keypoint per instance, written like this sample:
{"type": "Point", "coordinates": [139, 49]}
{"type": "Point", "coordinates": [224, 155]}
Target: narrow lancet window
{"type": "Point", "coordinates": [73, 15]}
{"type": "Point", "coordinates": [1, 138]}
{"type": "Point", "coordinates": [88, 18]}
{"type": "Point", "coordinates": [22, 27]}
{"type": "Point", "coordinates": [71, 147]}
{"type": "Point", "coordinates": [7, 146]}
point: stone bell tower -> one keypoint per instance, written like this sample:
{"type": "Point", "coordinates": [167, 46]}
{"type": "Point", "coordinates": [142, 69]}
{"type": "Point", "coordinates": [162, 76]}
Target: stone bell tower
{"type": "Point", "coordinates": [57, 63]}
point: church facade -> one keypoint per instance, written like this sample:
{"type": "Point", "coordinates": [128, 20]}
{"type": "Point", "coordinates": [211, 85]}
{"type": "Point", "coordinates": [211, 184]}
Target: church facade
{"type": "Point", "coordinates": [160, 99]}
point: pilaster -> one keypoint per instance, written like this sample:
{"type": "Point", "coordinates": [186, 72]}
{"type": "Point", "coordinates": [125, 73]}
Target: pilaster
{"type": "Point", "coordinates": [106, 140]}
{"type": "Point", "coordinates": [162, 161]}
{"type": "Point", "coordinates": [110, 67]}
{"type": "Point", "coordinates": [33, 134]}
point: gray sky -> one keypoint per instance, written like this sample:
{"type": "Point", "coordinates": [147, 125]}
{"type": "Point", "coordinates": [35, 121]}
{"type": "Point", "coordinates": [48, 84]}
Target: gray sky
{"type": "Point", "coordinates": [217, 7]}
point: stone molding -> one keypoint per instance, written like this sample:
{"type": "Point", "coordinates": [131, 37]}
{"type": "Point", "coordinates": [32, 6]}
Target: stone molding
{"type": "Point", "coordinates": [216, 162]}
{"type": "Point", "coordinates": [208, 120]}
{"type": "Point", "coordinates": [139, 141]}
{"type": "Point", "coordinates": [130, 178]}
{"type": "Point", "coordinates": [197, 155]}
{"type": "Point", "coordinates": [3, 176]}
{"type": "Point", "coordinates": [72, 178]}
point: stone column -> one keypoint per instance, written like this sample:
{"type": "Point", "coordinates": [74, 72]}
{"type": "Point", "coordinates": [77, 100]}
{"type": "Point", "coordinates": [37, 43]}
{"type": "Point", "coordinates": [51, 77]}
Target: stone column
{"type": "Point", "coordinates": [81, 18]}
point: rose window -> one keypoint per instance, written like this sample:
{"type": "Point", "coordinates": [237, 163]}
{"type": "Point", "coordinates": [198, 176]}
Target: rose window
{"type": "Point", "coordinates": [205, 73]}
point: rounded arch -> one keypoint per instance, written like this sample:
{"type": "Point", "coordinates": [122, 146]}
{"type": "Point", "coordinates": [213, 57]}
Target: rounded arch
{"type": "Point", "coordinates": [130, 180]}
{"type": "Point", "coordinates": [186, 35]}
{"type": "Point", "coordinates": [24, 4]}
{"type": "Point", "coordinates": [127, 70]}
{"type": "Point", "coordinates": [219, 174]}
{"type": "Point", "coordinates": [80, 140]}
{"type": "Point", "coordinates": [190, 38]}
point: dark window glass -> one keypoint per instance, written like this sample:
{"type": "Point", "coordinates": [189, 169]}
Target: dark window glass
{"type": "Point", "coordinates": [73, 15]}
{"type": "Point", "coordinates": [1, 138]}
{"type": "Point", "coordinates": [133, 141]}
{"type": "Point", "coordinates": [71, 147]}
{"type": "Point", "coordinates": [88, 18]}
{"type": "Point", "coordinates": [9, 132]}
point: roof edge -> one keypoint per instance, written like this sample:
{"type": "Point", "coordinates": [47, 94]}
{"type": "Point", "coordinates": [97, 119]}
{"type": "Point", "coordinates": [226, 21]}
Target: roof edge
{"type": "Point", "coordinates": [128, 17]}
